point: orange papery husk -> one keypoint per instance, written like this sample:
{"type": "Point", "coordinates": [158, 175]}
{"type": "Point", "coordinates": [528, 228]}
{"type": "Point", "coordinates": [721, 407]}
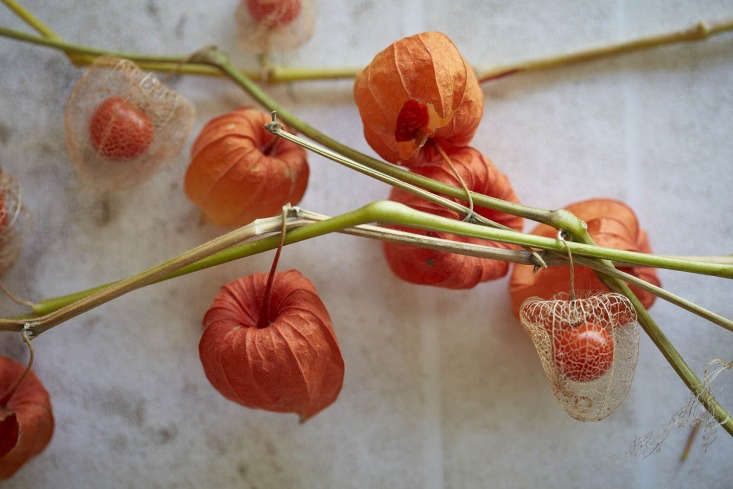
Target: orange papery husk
{"type": "Point", "coordinates": [274, 25]}
{"type": "Point", "coordinates": [169, 113]}
{"type": "Point", "coordinates": [240, 172]}
{"type": "Point", "coordinates": [11, 217]}
{"type": "Point", "coordinates": [452, 270]}
{"type": "Point", "coordinates": [604, 382]}
{"type": "Point", "coordinates": [26, 418]}
{"type": "Point", "coordinates": [428, 71]}
{"type": "Point", "coordinates": [293, 365]}
{"type": "Point", "coordinates": [611, 224]}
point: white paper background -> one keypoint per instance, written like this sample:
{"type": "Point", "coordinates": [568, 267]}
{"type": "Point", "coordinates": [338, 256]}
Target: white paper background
{"type": "Point", "coordinates": [442, 388]}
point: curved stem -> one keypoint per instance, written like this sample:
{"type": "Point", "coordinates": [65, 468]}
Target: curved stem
{"type": "Point", "coordinates": [206, 255]}
{"type": "Point", "coordinates": [100, 296]}
{"type": "Point", "coordinates": [264, 319]}
{"type": "Point", "coordinates": [281, 74]}
{"type": "Point", "coordinates": [30, 19]}
{"type": "Point", "coordinates": [277, 129]}
{"type": "Point", "coordinates": [659, 292]}
{"type": "Point", "coordinates": [559, 219]}
{"type": "Point", "coordinates": [698, 32]}
{"type": "Point", "coordinates": [660, 340]}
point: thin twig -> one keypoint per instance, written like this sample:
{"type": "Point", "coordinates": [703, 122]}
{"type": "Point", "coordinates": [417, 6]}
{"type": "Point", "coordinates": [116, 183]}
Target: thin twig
{"type": "Point", "coordinates": [277, 129]}
{"type": "Point", "coordinates": [698, 32]}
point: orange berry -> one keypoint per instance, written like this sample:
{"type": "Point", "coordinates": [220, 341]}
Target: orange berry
{"type": "Point", "coordinates": [583, 353]}
{"type": "Point", "coordinates": [119, 130]}
{"type": "Point", "coordinates": [273, 13]}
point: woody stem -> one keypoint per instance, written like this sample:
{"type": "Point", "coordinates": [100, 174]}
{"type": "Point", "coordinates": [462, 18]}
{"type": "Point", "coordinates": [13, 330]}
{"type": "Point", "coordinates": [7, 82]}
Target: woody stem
{"type": "Point", "coordinates": [659, 339]}
{"type": "Point", "coordinates": [281, 74]}
{"type": "Point", "coordinates": [264, 320]}
{"type": "Point", "coordinates": [223, 249]}
{"type": "Point", "coordinates": [698, 32]}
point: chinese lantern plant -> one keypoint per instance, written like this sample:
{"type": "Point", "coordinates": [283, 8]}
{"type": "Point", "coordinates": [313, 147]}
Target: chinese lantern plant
{"type": "Point", "coordinates": [451, 270]}
{"type": "Point", "coordinates": [122, 125]}
{"type": "Point", "coordinates": [610, 223]}
{"type": "Point", "coordinates": [274, 25]}
{"type": "Point", "coordinates": [589, 356]}
{"type": "Point", "coordinates": [286, 359]}
{"type": "Point", "coordinates": [268, 343]}
{"type": "Point", "coordinates": [118, 130]}
{"type": "Point", "coordinates": [26, 418]}
{"type": "Point", "coordinates": [273, 13]}
{"type": "Point", "coordinates": [240, 172]}
{"type": "Point", "coordinates": [418, 90]}
{"type": "Point", "coordinates": [407, 120]}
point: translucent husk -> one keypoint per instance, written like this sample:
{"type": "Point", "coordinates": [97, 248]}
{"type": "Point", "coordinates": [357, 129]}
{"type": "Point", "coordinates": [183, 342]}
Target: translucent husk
{"type": "Point", "coordinates": [545, 320]}
{"type": "Point", "coordinates": [170, 114]}
{"type": "Point", "coordinates": [11, 218]}
{"type": "Point", "coordinates": [261, 36]}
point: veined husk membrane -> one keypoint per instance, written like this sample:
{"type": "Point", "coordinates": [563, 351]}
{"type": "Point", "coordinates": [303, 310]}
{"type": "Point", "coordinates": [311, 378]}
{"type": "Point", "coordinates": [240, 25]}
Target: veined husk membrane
{"type": "Point", "coordinates": [589, 383]}
{"type": "Point", "coordinates": [11, 217]}
{"type": "Point", "coordinates": [170, 117]}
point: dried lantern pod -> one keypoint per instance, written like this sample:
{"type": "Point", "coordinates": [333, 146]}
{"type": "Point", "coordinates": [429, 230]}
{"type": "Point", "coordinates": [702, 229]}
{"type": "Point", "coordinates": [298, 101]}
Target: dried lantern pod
{"type": "Point", "coordinates": [279, 25]}
{"type": "Point", "coordinates": [26, 418]}
{"type": "Point", "coordinates": [418, 90]}
{"type": "Point", "coordinates": [240, 172]}
{"type": "Point", "coordinates": [11, 216]}
{"type": "Point", "coordinates": [291, 365]}
{"type": "Point", "coordinates": [588, 348]}
{"type": "Point", "coordinates": [451, 270]}
{"type": "Point", "coordinates": [122, 124]}
{"type": "Point", "coordinates": [611, 224]}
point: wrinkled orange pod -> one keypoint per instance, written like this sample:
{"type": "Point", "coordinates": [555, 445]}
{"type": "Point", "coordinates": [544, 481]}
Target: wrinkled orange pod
{"type": "Point", "coordinates": [240, 172]}
{"type": "Point", "coordinates": [611, 224]}
{"type": "Point", "coordinates": [26, 419]}
{"type": "Point", "coordinates": [293, 365]}
{"type": "Point", "coordinates": [451, 270]}
{"type": "Point", "coordinates": [419, 89]}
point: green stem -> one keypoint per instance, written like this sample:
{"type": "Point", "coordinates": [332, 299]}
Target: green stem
{"type": "Point", "coordinates": [216, 58]}
{"type": "Point", "coordinates": [658, 291]}
{"type": "Point", "coordinates": [559, 219]}
{"type": "Point", "coordinates": [659, 339]}
{"type": "Point", "coordinates": [30, 19]}
{"type": "Point", "coordinates": [386, 212]}
{"type": "Point", "coordinates": [698, 32]}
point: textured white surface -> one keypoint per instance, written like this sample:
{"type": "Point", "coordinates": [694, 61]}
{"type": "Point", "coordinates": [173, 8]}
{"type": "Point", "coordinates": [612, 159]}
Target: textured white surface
{"type": "Point", "coordinates": [442, 388]}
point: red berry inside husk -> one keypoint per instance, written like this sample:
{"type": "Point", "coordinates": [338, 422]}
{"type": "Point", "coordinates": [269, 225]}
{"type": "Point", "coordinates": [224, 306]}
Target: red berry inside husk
{"type": "Point", "coordinates": [411, 121]}
{"type": "Point", "coordinates": [119, 130]}
{"type": "Point", "coordinates": [583, 353]}
{"type": "Point", "coordinates": [273, 13]}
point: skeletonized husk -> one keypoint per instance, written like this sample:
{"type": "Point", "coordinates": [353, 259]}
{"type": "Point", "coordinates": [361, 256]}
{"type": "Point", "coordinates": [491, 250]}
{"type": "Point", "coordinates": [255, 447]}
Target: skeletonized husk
{"type": "Point", "coordinates": [11, 217]}
{"type": "Point", "coordinates": [426, 68]}
{"type": "Point", "coordinates": [264, 35]}
{"type": "Point", "coordinates": [169, 112]}
{"type": "Point", "coordinates": [545, 320]}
